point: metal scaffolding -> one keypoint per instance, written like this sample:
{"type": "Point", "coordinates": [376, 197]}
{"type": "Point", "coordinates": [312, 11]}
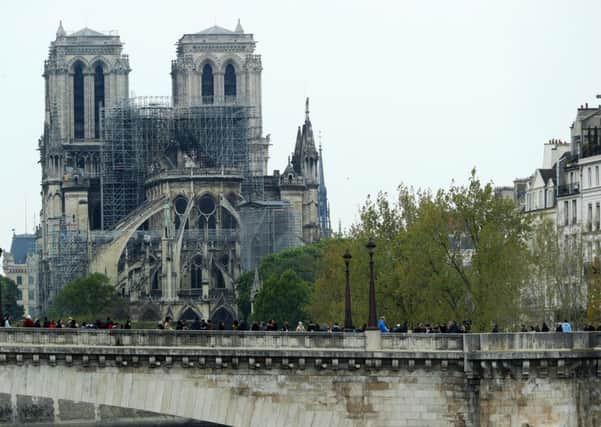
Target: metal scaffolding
{"type": "Point", "coordinates": [267, 227]}
{"type": "Point", "coordinates": [146, 136]}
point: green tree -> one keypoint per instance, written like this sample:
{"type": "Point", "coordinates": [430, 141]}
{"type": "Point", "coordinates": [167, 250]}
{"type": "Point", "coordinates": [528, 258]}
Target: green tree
{"type": "Point", "coordinates": [243, 288]}
{"type": "Point", "coordinates": [456, 254]}
{"type": "Point", "coordinates": [88, 297]}
{"type": "Point", "coordinates": [282, 298]}
{"type": "Point", "coordinates": [10, 295]}
{"type": "Point", "coordinates": [303, 261]}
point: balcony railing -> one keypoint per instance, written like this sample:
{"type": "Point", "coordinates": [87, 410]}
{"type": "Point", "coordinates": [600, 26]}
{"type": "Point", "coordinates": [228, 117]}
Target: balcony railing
{"type": "Point", "coordinates": [569, 189]}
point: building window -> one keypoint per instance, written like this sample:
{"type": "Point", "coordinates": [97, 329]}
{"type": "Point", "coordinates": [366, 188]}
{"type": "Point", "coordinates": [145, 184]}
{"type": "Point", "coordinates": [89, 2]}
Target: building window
{"type": "Point", "coordinates": [590, 180]}
{"type": "Point", "coordinates": [574, 213]}
{"type": "Point", "coordinates": [229, 85]}
{"type": "Point", "coordinates": [589, 217]}
{"type": "Point", "coordinates": [566, 214]}
{"type": "Point", "coordinates": [596, 175]}
{"type": "Point", "coordinates": [98, 98]}
{"type": "Point", "coordinates": [19, 280]}
{"type": "Point", "coordinates": [78, 101]}
{"type": "Point", "coordinates": [207, 84]}
{"type": "Point", "coordinates": [597, 216]}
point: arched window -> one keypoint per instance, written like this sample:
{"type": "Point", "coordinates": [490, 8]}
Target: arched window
{"type": "Point", "coordinates": [207, 84]}
{"type": "Point", "coordinates": [229, 85]}
{"type": "Point", "coordinates": [98, 98]}
{"type": "Point", "coordinates": [78, 101]}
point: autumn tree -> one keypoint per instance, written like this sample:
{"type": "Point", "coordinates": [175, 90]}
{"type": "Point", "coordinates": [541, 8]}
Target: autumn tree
{"type": "Point", "coordinates": [456, 254]}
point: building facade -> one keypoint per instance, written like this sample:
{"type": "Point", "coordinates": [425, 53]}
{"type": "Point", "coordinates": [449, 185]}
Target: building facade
{"type": "Point", "coordinates": [169, 197]}
{"type": "Point", "coordinates": [19, 266]}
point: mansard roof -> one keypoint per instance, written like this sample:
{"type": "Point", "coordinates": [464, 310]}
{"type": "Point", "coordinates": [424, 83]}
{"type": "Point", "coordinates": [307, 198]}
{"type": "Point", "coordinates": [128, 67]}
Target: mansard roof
{"type": "Point", "coordinates": [21, 246]}
{"type": "Point", "coordinates": [548, 174]}
{"type": "Point", "coordinates": [86, 32]}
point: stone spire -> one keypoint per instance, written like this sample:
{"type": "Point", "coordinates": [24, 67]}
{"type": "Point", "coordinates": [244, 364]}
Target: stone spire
{"type": "Point", "coordinates": [60, 32]}
{"type": "Point", "coordinates": [239, 28]}
{"type": "Point", "coordinates": [307, 109]}
{"type": "Point", "coordinates": [323, 203]}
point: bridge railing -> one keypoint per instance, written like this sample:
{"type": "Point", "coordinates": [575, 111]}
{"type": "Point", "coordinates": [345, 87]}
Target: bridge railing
{"type": "Point", "coordinates": [263, 340]}
{"type": "Point", "coordinates": [172, 338]}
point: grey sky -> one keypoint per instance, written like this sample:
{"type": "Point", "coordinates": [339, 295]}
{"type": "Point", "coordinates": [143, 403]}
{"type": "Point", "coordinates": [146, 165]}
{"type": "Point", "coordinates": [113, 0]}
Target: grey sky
{"type": "Point", "coordinates": [416, 92]}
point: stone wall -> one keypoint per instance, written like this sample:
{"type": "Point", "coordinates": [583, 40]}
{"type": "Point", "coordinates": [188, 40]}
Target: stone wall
{"type": "Point", "coordinates": [40, 411]}
{"type": "Point", "coordinates": [311, 379]}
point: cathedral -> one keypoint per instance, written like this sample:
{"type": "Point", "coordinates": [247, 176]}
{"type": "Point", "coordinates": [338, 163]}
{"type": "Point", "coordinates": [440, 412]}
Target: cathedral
{"type": "Point", "coordinates": [170, 197]}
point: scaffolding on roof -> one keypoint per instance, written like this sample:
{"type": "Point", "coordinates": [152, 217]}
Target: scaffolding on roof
{"type": "Point", "coordinates": [147, 136]}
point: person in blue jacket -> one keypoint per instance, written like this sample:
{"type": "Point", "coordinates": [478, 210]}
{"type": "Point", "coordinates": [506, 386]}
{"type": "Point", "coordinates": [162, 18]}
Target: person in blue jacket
{"type": "Point", "coordinates": [382, 325]}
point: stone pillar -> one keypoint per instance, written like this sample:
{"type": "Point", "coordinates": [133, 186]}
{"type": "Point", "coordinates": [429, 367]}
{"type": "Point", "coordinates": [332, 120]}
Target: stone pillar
{"type": "Point", "coordinates": [218, 80]}
{"type": "Point", "coordinates": [88, 82]}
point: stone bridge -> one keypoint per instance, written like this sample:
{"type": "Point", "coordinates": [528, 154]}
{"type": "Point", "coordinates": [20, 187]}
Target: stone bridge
{"type": "Point", "coordinates": [310, 379]}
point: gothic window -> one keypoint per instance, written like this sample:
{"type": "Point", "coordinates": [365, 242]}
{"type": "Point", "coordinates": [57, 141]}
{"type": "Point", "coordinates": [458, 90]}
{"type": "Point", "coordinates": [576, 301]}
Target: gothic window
{"type": "Point", "coordinates": [196, 272]}
{"type": "Point", "coordinates": [229, 86]}
{"type": "Point", "coordinates": [78, 101]}
{"type": "Point", "coordinates": [98, 98]}
{"type": "Point", "coordinates": [207, 84]}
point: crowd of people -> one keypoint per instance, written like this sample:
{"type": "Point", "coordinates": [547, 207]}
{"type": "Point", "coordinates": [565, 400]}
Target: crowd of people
{"type": "Point", "coordinates": [203, 325]}
{"type": "Point", "coordinates": [28, 322]}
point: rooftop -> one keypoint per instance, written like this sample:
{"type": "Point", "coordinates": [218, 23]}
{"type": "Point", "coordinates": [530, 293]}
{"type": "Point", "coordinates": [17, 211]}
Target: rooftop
{"type": "Point", "coordinates": [22, 245]}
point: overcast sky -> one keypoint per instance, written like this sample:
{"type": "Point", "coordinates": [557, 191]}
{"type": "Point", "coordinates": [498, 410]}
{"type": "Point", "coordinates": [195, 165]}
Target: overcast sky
{"type": "Point", "coordinates": [416, 92]}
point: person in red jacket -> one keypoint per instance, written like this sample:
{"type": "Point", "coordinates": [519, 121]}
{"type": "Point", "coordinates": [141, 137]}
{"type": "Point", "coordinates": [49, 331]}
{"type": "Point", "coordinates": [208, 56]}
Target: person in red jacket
{"type": "Point", "coordinates": [28, 323]}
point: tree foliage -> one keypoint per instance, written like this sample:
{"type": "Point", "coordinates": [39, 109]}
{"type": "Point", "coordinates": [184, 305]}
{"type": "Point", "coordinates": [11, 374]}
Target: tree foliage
{"type": "Point", "coordinates": [10, 295]}
{"type": "Point", "coordinates": [89, 297]}
{"type": "Point", "coordinates": [303, 261]}
{"type": "Point", "coordinates": [557, 288]}
{"type": "Point", "coordinates": [282, 298]}
{"type": "Point", "coordinates": [456, 254]}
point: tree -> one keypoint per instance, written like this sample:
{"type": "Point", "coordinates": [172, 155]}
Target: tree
{"type": "Point", "coordinates": [593, 279]}
{"type": "Point", "coordinates": [89, 297]}
{"type": "Point", "coordinates": [243, 288]}
{"type": "Point", "coordinates": [282, 298]}
{"type": "Point", "coordinates": [10, 295]}
{"type": "Point", "coordinates": [456, 254]}
{"type": "Point", "coordinates": [557, 285]}
{"type": "Point", "coordinates": [303, 261]}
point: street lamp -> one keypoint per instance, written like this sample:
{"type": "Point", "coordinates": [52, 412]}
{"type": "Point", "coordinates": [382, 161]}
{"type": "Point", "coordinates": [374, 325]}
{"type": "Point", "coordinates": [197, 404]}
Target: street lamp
{"type": "Point", "coordinates": [371, 320]}
{"type": "Point", "coordinates": [348, 321]}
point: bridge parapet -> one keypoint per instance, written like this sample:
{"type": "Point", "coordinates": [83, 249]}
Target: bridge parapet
{"type": "Point", "coordinates": [466, 343]}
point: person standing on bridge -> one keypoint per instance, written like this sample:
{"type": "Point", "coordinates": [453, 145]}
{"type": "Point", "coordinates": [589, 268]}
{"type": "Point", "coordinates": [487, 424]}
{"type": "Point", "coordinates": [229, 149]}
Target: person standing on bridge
{"type": "Point", "coordinates": [566, 327]}
{"type": "Point", "coordinates": [382, 325]}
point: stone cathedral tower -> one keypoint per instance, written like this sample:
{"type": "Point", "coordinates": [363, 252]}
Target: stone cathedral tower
{"type": "Point", "coordinates": [220, 66]}
{"type": "Point", "coordinates": [84, 73]}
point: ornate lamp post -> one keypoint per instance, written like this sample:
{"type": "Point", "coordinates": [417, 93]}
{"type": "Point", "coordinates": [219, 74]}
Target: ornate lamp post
{"type": "Point", "coordinates": [348, 321]}
{"type": "Point", "coordinates": [372, 323]}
